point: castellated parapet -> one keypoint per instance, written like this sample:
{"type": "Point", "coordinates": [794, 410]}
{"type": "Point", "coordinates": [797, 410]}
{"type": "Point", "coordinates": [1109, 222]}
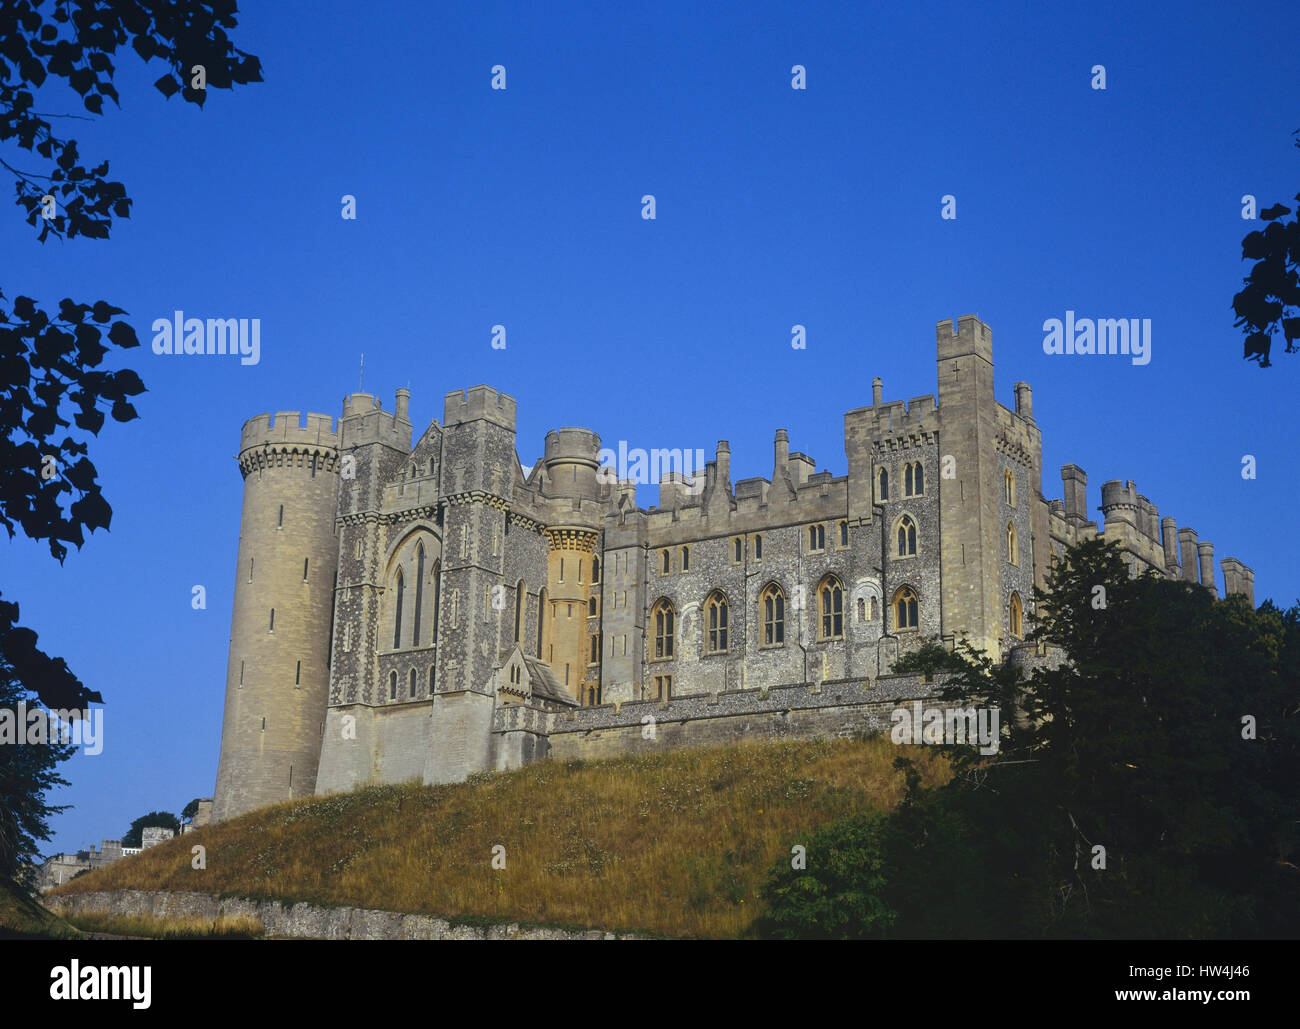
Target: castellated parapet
{"type": "Point", "coordinates": [440, 612]}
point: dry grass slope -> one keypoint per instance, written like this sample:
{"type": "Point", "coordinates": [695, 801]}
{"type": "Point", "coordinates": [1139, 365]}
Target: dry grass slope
{"type": "Point", "coordinates": [676, 843]}
{"type": "Point", "coordinates": [146, 927]}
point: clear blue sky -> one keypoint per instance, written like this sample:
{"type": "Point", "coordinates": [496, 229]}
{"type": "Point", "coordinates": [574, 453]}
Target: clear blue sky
{"type": "Point", "coordinates": [775, 207]}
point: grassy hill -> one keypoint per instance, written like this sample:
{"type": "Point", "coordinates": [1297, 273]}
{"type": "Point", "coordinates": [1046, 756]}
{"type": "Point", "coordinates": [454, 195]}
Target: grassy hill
{"type": "Point", "coordinates": [21, 918]}
{"type": "Point", "coordinates": [677, 842]}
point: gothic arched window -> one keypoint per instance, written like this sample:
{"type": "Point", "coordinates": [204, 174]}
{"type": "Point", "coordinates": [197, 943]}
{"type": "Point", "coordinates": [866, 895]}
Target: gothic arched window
{"type": "Point", "coordinates": [715, 610]}
{"type": "Point", "coordinates": [771, 609]}
{"type": "Point", "coordinates": [419, 592]}
{"type": "Point", "coordinates": [830, 601]}
{"type": "Point", "coordinates": [906, 608]}
{"type": "Point", "coordinates": [906, 537]}
{"type": "Point", "coordinates": [662, 618]}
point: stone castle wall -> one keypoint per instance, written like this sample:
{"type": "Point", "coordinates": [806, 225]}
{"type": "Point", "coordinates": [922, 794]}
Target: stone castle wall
{"type": "Point", "coordinates": [437, 559]}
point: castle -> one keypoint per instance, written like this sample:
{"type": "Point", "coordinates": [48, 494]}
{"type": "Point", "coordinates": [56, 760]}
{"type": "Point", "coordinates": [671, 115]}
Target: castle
{"type": "Point", "coordinates": [428, 610]}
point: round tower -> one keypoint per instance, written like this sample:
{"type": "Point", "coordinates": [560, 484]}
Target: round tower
{"type": "Point", "coordinates": [1119, 503]}
{"type": "Point", "coordinates": [571, 460]}
{"type": "Point", "coordinates": [277, 679]}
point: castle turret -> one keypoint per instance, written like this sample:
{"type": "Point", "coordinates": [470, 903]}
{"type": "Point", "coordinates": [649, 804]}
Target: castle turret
{"type": "Point", "coordinates": [1119, 503]}
{"type": "Point", "coordinates": [572, 537]}
{"type": "Point", "coordinates": [571, 461]}
{"type": "Point", "coordinates": [973, 537]}
{"type": "Point", "coordinates": [277, 679]}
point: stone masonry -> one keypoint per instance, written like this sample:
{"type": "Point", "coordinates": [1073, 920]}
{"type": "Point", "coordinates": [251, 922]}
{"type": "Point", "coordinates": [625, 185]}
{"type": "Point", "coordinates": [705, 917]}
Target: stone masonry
{"type": "Point", "coordinates": [420, 608]}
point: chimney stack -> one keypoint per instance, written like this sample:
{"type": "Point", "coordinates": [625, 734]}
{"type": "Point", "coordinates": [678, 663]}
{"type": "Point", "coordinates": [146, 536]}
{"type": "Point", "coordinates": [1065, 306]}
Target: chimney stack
{"type": "Point", "coordinates": [1206, 553]}
{"type": "Point", "coordinates": [1169, 529]}
{"type": "Point", "coordinates": [1075, 481]}
{"type": "Point", "coordinates": [1024, 400]}
{"type": "Point", "coordinates": [1187, 544]}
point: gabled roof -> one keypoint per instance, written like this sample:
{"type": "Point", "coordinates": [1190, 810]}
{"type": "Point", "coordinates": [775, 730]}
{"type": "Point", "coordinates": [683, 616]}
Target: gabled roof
{"type": "Point", "coordinates": [542, 682]}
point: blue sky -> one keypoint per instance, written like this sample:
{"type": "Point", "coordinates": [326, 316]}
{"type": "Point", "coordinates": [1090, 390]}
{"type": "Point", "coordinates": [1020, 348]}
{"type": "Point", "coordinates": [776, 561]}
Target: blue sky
{"type": "Point", "coordinates": [775, 207]}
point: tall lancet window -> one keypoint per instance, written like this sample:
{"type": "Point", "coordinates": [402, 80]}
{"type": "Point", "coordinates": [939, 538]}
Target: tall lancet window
{"type": "Point", "coordinates": [397, 622]}
{"type": "Point", "coordinates": [419, 590]}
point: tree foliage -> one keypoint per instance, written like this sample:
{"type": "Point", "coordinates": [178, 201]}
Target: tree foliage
{"type": "Point", "coordinates": [77, 41]}
{"type": "Point", "coordinates": [1270, 299]}
{"type": "Point", "coordinates": [48, 485]}
{"type": "Point", "coordinates": [1169, 736]}
{"type": "Point", "coordinates": [164, 819]}
{"type": "Point", "coordinates": [50, 361]}
{"type": "Point", "coordinates": [28, 771]}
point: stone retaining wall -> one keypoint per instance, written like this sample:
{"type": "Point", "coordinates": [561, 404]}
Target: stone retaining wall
{"type": "Point", "coordinates": [308, 921]}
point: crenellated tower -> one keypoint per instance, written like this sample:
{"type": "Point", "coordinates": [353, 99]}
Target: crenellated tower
{"type": "Point", "coordinates": [277, 677]}
{"type": "Point", "coordinates": [374, 445]}
{"type": "Point", "coordinates": [972, 528]}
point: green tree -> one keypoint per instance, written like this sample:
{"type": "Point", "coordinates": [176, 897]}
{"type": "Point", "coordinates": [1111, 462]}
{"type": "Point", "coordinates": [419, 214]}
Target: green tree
{"type": "Point", "coordinates": [162, 819]}
{"type": "Point", "coordinates": [1137, 743]}
{"type": "Point", "coordinates": [920, 872]}
{"type": "Point", "coordinates": [1270, 299]}
{"type": "Point", "coordinates": [1168, 734]}
{"type": "Point", "coordinates": [27, 771]}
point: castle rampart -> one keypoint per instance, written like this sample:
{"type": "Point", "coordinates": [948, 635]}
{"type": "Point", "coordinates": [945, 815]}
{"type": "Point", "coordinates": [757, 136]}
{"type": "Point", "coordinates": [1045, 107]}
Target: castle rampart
{"type": "Point", "coordinates": [438, 611]}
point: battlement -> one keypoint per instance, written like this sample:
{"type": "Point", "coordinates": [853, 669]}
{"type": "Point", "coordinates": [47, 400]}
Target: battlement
{"type": "Point", "coordinates": [360, 403]}
{"type": "Point", "coordinates": [1119, 500]}
{"type": "Point", "coordinates": [572, 444]}
{"type": "Point", "coordinates": [897, 417]}
{"type": "Point", "coordinates": [365, 421]}
{"type": "Point", "coordinates": [969, 336]}
{"type": "Point", "coordinates": [479, 403]}
{"type": "Point", "coordinates": [287, 427]}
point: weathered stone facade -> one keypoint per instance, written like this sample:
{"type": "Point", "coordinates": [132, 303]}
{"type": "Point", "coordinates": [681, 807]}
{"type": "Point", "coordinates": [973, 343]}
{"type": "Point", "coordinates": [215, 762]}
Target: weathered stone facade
{"type": "Point", "coordinates": [440, 612]}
